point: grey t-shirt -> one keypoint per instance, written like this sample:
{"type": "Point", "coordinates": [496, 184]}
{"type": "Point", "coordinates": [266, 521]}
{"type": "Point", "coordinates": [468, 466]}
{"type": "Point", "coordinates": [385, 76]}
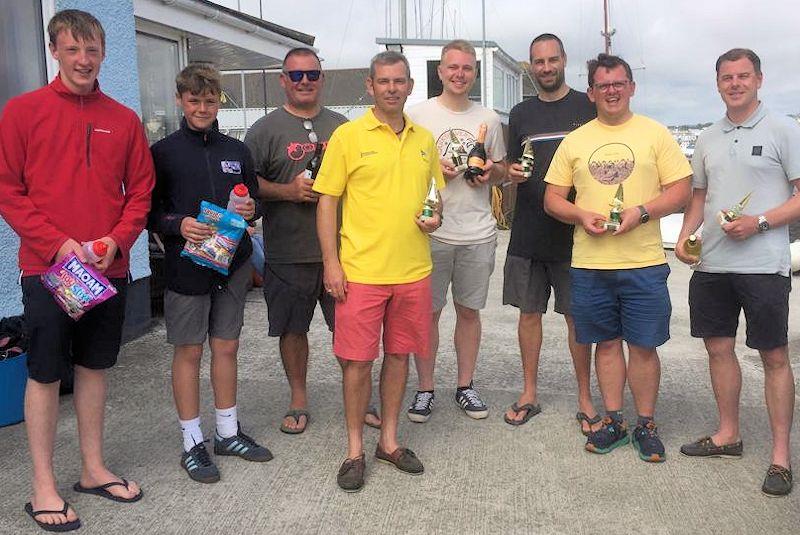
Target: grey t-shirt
{"type": "Point", "coordinates": [762, 156]}
{"type": "Point", "coordinates": [281, 149]}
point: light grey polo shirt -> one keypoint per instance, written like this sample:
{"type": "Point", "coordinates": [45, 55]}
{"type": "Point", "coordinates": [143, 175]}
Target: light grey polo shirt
{"type": "Point", "coordinates": [762, 156]}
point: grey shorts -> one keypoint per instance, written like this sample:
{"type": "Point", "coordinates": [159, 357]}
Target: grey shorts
{"type": "Point", "coordinates": [467, 267]}
{"type": "Point", "coordinates": [527, 284]}
{"type": "Point", "coordinates": [219, 314]}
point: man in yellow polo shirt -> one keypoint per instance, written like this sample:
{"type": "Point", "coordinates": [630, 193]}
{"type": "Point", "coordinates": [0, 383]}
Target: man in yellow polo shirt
{"type": "Point", "coordinates": [381, 166]}
{"type": "Point", "coordinates": [619, 275]}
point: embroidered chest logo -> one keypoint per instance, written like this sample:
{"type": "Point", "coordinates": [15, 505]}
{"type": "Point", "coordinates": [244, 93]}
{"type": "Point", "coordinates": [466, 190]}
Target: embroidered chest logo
{"type": "Point", "coordinates": [231, 166]}
{"type": "Point", "coordinates": [757, 150]}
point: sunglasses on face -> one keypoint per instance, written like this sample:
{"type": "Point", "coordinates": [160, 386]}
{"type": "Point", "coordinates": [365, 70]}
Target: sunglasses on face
{"type": "Point", "coordinates": [312, 136]}
{"type": "Point", "coordinates": [297, 76]}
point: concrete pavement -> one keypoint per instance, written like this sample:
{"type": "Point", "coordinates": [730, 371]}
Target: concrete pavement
{"type": "Point", "coordinates": [480, 476]}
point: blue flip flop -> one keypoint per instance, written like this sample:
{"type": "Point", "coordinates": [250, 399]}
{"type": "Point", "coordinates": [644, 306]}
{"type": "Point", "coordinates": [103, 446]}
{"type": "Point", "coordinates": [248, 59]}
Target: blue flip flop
{"type": "Point", "coordinates": [67, 526]}
{"type": "Point", "coordinates": [103, 492]}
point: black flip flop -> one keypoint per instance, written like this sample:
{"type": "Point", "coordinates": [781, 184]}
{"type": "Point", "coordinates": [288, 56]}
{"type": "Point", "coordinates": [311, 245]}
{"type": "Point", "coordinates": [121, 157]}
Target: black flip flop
{"type": "Point", "coordinates": [67, 526]}
{"type": "Point", "coordinates": [103, 492]}
{"type": "Point", "coordinates": [531, 411]}
{"type": "Point", "coordinates": [374, 412]}
{"type": "Point", "coordinates": [582, 417]}
{"type": "Point", "coordinates": [296, 414]}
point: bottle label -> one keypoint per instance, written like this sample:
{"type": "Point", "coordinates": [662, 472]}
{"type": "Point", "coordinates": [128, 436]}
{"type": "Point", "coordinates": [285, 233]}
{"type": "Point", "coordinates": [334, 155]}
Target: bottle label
{"type": "Point", "coordinates": [476, 161]}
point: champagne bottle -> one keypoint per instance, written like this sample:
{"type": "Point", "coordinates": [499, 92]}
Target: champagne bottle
{"type": "Point", "coordinates": [313, 165]}
{"type": "Point", "coordinates": [527, 159]}
{"type": "Point", "coordinates": [457, 152]}
{"type": "Point", "coordinates": [477, 156]}
{"type": "Point", "coordinates": [693, 245]}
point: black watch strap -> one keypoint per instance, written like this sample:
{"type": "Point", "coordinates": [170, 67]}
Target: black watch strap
{"type": "Point", "coordinates": [644, 216]}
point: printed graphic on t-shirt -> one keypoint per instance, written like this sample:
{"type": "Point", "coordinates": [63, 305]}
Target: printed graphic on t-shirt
{"type": "Point", "coordinates": [455, 140]}
{"type": "Point", "coordinates": [231, 166]}
{"type": "Point", "coordinates": [297, 150]}
{"type": "Point", "coordinates": [612, 163]}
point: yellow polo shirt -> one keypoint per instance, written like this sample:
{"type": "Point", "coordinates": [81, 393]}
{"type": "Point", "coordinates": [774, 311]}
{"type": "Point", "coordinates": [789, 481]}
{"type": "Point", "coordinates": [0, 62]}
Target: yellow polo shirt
{"type": "Point", "coordinates": [382, 179]}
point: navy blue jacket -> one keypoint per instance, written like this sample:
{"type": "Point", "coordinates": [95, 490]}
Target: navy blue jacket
{"type": "Point", "coordinates": [193, 166]}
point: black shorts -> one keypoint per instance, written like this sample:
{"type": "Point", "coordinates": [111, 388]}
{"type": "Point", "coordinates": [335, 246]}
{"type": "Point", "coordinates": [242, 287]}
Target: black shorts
{"type": "Point", "coordinates": [292, 292]}
{"type": "Point", "coordinates": [716, 299]}
{"type": "Point", "coordinates": [56, 339]}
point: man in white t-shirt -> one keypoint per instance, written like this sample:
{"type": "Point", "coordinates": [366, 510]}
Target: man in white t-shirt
{"type": "Point", "coordinates": [463, 248]}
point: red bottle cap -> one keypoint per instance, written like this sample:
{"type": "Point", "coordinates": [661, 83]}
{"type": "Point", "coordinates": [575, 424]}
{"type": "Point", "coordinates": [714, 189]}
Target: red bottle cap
{"type": "Point", "coordinates": [240, 190]}
{"type": "Point", "coordinates": [100, 248]}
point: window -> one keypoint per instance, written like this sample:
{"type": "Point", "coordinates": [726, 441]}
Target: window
{"type": "Point", "coordinates": [22, 67]}
{"type": "Point", "coordinates": [159, 63]}
{"type": "Point", "coordinates": [498, 89]}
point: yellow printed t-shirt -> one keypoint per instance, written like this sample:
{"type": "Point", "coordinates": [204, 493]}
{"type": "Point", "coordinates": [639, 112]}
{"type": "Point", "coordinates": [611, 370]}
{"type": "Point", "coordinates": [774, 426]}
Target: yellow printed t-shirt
{"type": "Point", "coordinates": [382, 179]}
{"type": "Point", "coordinates": [595, 158]}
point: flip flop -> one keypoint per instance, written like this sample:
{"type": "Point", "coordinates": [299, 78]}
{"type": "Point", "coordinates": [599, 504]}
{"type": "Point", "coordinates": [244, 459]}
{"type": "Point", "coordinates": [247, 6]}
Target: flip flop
{"type": "Point", "coordinates": [67, 526]}
{"type": "Point", "coordinates": [296, 414]}
{"type": "Point", "coordinates": [531, 411]}
{"type": "Point", "coordinates": [103, 492]}
{"type": "Point", "coordinates": [374, 412]}
{"type": "Point", "coordinates": [582, 417]}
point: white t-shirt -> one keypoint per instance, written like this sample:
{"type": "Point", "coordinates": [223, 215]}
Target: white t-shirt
{"type": "Point", "coordinates": [468, 215]}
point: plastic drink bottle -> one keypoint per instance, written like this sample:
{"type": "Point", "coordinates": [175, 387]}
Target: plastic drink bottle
{"type": "Point", "coordinates": [239, 196]}
{"type": "Point", "coordinates": [95, 250]}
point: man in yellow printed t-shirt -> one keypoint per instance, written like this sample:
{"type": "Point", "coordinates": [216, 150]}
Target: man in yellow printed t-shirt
{"type": "Point", "coordinates": [381, 165]}
{"type": "Point", "coordinates": [619, 275]}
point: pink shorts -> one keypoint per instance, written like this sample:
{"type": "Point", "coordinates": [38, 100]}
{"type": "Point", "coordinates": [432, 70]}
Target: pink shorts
{"type": "Point", "coordinates": [404, 311]}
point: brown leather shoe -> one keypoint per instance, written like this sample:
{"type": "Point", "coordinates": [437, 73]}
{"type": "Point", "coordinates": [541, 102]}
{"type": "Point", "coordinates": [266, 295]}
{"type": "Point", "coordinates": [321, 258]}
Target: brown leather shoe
{"type": "Point", "coordinates": [351, 474]}
{"type": "Point", "coordinates": [403, 459]}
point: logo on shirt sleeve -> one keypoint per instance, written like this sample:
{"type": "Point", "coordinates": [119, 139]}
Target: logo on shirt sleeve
{"type": "Point", "coordinates": [231, 166]}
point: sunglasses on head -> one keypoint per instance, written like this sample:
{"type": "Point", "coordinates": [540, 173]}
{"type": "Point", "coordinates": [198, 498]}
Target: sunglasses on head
{"type": "Point", "coordinates": [297, 76]}
{"type": "Point", "coordinates": [312, 136]}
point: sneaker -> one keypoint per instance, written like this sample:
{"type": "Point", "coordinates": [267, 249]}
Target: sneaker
{"type": "Point", "coordinates": [242, 446]}
{"type": "Point", "coordinates": [422, 407]}
{"type": "Point", "coordinates": [403, 459]}
{"type": "Point", "coordinates": [469, 400]}
{"type": "Point", "coordinates": [778, 481]}
{"type": "Point", "coordinates": [647, 444]}
{"type": "Point", "coordinates": [350, 477]}
{"type": "Point", "coordinates": [705, 447]}
{"type": "Point", "coordinates": [199, 466]}
{"type": "Point", "coordinates": [612, 435]}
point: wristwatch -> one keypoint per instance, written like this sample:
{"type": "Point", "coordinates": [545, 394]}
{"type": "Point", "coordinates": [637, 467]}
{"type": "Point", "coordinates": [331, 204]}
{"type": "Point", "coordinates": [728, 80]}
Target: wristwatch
{"type": "Point", "coordinates": [763, 224]}
{"type": "Point", "coordinates": [645, 215]}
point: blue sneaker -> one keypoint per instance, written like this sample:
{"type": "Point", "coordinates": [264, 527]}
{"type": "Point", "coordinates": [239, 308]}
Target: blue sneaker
{"type": "Point", "coordinates": [612, 435]}
{"type": "Point", "coordinates": [647, 444]}
{"type": "Point", "coordinates": [199, 466]}
{"type": "Point", "coordinates": [242, 446]}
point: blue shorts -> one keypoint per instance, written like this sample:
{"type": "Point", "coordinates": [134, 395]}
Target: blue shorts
{"type": "Point", "coordinates": [632, 304]}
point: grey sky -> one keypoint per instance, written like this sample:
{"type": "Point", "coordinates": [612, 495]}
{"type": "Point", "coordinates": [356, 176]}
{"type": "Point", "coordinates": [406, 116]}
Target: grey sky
{"type": "Point", "coordinates": [677, 41]}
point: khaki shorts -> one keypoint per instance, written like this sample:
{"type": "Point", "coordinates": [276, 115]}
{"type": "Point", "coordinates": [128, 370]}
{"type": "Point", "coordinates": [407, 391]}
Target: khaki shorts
{"type": "Point", "coordinates": [219, 314]}
{"type": "Point", "coordinates": [467, 268]}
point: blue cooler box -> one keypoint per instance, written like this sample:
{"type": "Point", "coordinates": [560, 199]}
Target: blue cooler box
{"type": "Point", "coordinates": [13, 376]}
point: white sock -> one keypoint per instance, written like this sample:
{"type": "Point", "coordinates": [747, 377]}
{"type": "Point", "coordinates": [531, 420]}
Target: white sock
{"type": "Point", "coordinates": [192, 434]}
{"type": "Point", "coordinates": [227, 422]}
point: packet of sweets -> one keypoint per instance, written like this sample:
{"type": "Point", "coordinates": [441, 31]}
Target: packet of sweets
{"type": "Point", "coordinates": [76, 287]}
{"type": "Point", "coordinates": [216, 252]}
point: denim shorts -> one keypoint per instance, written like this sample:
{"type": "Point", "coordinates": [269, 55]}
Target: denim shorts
{"type": "Point", "coordinates": [632, 304]}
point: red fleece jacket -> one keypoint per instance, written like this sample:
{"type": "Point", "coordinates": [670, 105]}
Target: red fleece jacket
{"type": "Point", "coordinates": [72, 167]}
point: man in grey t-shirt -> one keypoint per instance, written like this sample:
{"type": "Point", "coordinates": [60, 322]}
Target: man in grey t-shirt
{"type": "Point", "coordinates": [744, 263]}
{"type": "Point", "coordinates": [282, 143]}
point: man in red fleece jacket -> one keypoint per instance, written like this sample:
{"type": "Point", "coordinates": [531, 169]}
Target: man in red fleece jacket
{"type": "Point", "coordinates": [74, 167]}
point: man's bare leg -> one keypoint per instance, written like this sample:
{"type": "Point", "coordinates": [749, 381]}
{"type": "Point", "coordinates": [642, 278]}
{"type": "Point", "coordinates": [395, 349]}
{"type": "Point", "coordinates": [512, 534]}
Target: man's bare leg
{"type": "Point", "coordinates": [467, 339]}
{"type": "Point", "coordinates": [356, 390]}
{"type": "Point", "coordinates": [186, 380]}
{"type": "Point", "coordinates": [394, 373]}
{"type": "Point", "coordinates": [644, 378]}
{"type": "Point", "coordinates": [41, 418]}
{"type": "Point", "coordinates": [425, 366]}
{"type": "Point", "coordinates": [609, 363]}
{"type": "Point", "coordinates": [779, 392]}
{"type": "Point", "coordinates": [90, 404]}
{"type": "Point", "coordinates": [294, 354]}
{"type": "Point", "coordinates": [582, 362]}
{"type": "Point", "coordinates": [529, 332]}
{"type": "Point", "coordinates": [726, 380]}
{"type": "Point", "coordinates": [224, 368]}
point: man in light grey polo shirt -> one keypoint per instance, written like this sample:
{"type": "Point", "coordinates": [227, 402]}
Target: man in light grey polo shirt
{"type": "Point", "coordinates": [744, 263]}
